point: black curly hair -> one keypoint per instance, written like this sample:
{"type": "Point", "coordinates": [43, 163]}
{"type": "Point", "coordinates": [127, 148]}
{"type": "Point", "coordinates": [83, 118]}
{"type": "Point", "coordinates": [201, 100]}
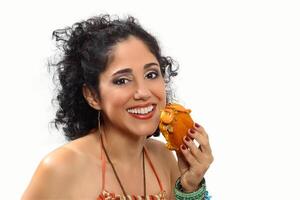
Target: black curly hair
{"type": "Point", "coordinates": [85, 49]}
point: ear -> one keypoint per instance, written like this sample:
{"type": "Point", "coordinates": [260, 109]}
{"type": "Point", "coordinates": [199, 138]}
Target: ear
{"type": "Point", "coordinates": [91, 97]}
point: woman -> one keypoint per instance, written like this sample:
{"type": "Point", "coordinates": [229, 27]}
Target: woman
{"type": "Point", "coordinates": [112, 86]}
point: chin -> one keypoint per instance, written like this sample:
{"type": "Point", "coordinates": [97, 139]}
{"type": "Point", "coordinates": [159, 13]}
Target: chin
{"type": "Point", "coordinates": [143, 131]}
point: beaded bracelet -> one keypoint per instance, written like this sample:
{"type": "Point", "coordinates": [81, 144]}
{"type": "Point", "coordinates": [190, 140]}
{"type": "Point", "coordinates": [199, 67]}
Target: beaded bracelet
{"type": "Point", "coordinates": [200, 194]}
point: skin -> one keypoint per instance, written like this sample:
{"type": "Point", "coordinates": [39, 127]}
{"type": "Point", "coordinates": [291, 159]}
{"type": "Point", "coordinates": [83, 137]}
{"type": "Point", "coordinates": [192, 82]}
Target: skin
{"type": "Point", "coordinates": [73, 171]}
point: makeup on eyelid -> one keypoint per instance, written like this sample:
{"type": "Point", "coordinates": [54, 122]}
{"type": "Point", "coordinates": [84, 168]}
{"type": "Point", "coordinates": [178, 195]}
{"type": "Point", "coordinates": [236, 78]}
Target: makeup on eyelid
{"type": "Point", "coordinates": [153, 72]}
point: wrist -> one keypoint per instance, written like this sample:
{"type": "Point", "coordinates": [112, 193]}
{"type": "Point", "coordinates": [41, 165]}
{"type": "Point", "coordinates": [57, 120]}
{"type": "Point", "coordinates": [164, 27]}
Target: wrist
{"type": "Point", "coordinates": [181, 193]}
{"type": "Point", "coordinates": [190, 187]}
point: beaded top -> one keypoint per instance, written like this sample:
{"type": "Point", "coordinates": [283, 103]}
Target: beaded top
{"type": "Point", "coordinates": [105, 195]}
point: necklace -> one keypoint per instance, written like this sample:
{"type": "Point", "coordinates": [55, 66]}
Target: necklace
{"type": "Point", "coordinates": [115, 172]}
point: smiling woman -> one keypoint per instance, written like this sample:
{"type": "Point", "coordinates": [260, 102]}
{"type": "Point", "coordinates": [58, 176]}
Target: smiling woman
{"type": "Point", "coordinates": [112, 82]}
{"type": "Point", "coordinates": [132, 84]}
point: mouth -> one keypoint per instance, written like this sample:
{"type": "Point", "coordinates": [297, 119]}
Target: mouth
{"type": "Point", "coordinates": [142, 112]}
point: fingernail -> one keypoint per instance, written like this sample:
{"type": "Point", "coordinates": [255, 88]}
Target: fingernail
{"type": "Point", "coordinates": [187, 139]}
{"type": "Point", "coordinates": [197, 125]}
{"type": "Point", "coordinates": [183, 147]}
{"type": "Point", "coordinates": [192, 131]}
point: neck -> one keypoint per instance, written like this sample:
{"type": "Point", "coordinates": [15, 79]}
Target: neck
{"type": "Point", "coordinates": [121, 147]}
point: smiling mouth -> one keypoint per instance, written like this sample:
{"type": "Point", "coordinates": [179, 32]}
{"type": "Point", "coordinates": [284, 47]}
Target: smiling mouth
{"type": "Point", "coordinates": [142, 112]}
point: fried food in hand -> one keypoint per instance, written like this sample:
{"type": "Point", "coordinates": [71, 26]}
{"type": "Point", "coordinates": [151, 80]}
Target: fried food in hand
{"type": "Point", "coordinates": [175, 120]}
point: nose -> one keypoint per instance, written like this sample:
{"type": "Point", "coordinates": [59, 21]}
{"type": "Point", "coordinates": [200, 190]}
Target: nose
{"type": "Point", "coordinates": [142, 92]}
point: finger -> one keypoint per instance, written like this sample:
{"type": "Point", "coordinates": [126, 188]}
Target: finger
{"type": "Point", "coordinates": [181, 159]}
{"type": "Point", "coordinates": [191, 134]}
{"type": "Point", "coordinates": [182, 163]}
{"type": "Point", "coordinates": [188, 156]}
{"type": "Point", "coordinates": [193, 148]}
{"type": "Point", "coordinates": [201, 138]}
{"type": "Point", "coordinates": [201, 129]}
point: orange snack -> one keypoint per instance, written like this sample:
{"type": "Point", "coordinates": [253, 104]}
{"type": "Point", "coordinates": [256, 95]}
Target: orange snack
{"type": "Point", "coordinates": [174, 123]}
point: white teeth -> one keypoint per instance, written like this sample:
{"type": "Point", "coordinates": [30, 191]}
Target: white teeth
{"type": "Point", "coordinates": [141, 111]}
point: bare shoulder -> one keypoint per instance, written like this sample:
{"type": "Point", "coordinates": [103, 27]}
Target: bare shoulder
{"type": "Point", "coordinates": [54, 174]}
{"type": "Point", "coordinates": [158, 148]}
{"type": "Point", "coordinates": [62, 161]}
{"type": "Point", "coordinates": [167, 158]}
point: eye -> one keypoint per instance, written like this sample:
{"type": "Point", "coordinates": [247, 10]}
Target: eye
{"type": "Point", "coordinates": [152, 75]}
{"type": "Point", "coordinates": [120, 81]}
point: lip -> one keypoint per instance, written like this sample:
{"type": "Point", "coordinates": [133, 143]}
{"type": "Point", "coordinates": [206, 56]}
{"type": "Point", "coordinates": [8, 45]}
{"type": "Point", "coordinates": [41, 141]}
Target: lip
{"type": "Point", "coordinates": [144, 117]}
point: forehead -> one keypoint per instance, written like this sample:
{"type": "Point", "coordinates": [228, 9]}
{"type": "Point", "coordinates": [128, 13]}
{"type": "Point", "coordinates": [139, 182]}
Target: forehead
{"type": "Point", "coordinates": [131, 53]}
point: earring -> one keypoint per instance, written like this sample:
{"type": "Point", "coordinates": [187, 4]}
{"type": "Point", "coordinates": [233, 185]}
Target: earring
{"type": "Point", "coordinates": [99, 120]}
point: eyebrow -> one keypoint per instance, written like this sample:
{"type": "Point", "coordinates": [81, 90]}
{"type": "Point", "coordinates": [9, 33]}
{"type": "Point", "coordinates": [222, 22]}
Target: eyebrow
{"type": "Point", "coordinates": [129, 70]}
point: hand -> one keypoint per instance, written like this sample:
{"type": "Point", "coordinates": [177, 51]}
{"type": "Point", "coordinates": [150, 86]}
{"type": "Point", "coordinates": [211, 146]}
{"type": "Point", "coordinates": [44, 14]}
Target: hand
{"type": "Point", "coordinates": [194, 161]}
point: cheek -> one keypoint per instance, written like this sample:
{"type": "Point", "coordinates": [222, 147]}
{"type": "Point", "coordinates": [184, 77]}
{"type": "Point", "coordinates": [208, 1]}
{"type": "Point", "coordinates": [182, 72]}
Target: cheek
{"type": "Point", "coordinates": [114, 99]}
{"type": "Point", "coordinates": [160, 91]}
{"type": "Point", "coordinates": [163, 95]}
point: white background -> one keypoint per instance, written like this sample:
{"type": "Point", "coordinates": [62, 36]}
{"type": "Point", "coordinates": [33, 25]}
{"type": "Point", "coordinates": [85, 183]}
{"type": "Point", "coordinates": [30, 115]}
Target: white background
{"type": "Point", "coordinates": [239, 73]}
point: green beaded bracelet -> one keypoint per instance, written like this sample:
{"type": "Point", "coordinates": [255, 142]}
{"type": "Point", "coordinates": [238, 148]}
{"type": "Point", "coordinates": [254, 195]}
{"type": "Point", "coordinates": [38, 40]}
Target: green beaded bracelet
{"type": "Point", "coordinates": [198, 194]}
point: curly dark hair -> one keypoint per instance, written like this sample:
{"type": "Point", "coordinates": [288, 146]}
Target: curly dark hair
{"type": "Point", "coordinates": [85, 49]}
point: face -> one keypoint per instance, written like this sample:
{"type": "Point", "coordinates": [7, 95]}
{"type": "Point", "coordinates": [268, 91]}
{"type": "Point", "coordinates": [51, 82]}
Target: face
{"type": "Point", "coordinates": [132, 89]}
